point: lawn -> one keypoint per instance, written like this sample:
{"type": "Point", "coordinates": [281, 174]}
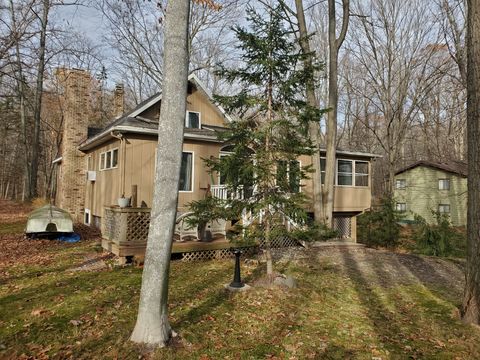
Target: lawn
{"type": "Point", "coordinates": [349, 304]}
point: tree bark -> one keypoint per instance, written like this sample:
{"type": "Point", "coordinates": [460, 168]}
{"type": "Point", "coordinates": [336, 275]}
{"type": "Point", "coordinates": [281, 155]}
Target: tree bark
{"type": "Point", "coordinates": [152, 326]}
{"type": "Point", "coordinates": [37, 107]}
{"type": "Point", "coordinates": [334, 45]}
{"type": "Point", "coordinates": [471, 301]}
{"type": "Point", "coordinates": [314, 126]}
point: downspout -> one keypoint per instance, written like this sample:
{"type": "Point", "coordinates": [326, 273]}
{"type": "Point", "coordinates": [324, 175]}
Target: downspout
{"type": "Point", "coordinates": [123, 148]}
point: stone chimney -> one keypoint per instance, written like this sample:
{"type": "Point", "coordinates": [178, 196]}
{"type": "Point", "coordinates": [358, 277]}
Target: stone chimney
{"type": "Point", "coordinates": [118, 101]}
{"type": "Point", "coordinates": [71, 186]}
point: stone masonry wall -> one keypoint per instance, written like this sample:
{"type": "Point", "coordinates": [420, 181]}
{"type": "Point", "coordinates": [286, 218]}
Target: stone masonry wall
{"type": "Point", "coordinates": [72, 175]}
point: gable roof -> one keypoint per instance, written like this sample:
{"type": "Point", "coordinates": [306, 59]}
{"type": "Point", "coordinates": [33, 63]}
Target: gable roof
{"type": "Point", "coordinates": [457, 168]}
{"type": "Point", "coordinates": [132, 121]}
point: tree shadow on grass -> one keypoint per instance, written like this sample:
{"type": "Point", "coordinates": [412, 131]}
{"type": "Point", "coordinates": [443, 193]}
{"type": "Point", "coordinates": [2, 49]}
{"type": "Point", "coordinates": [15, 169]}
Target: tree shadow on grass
{"type": "Point", "coordinates": [388, 331]}
{"type": "Point", "coordinates": [446, 283]}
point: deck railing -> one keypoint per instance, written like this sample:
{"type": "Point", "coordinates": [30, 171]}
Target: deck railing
{"type": "Point", "coordinates": [224, 193]}
{"type": "Point", "coordinates": [125, 226]}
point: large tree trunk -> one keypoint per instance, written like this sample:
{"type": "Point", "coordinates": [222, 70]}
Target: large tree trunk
{"type": "Point", "coordinates": [152, 325]}
{"type": "Point", "coordinates": [334, 45]}
{"type": "Point", "coordinates": [37, 109]}
{"type": "Point", "coordinates": [314, 126]}
{"type": "Point", "coordinates": [471, 301]}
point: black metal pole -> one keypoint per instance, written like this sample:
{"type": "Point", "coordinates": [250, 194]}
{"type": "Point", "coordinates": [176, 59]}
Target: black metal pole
{"type": "Point", "coordinates": [237, 281]}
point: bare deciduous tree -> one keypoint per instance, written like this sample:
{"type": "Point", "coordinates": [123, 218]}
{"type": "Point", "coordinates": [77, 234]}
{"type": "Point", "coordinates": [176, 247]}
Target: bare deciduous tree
{"type": "Point", "coordinates": [471, 300]}
{"type": "Point", "coordinates": [152, 326]}
{"type": "Point", "coordinates": [393, 45]}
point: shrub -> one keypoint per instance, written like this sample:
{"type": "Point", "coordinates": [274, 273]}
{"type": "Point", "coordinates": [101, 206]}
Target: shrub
{"type": "Point", "coordinates": [440, 239]}
{"type": "Point", "coordinates": [379, 227]}
{"type": "Point", "coordinates": [314, 232]}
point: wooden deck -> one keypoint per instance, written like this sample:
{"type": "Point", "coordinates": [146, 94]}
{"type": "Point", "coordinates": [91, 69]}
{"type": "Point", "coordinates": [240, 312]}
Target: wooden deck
{"type": "Point", "coordinates": [187, 246]}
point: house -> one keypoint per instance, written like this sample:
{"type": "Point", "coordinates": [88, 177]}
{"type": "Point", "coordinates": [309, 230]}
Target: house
{"type": "Point", "coordinates": [97, 168]}
{"type": "Point", "coordinates": [425, 187]}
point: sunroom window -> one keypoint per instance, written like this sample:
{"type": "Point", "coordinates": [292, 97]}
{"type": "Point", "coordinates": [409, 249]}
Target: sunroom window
{"type": "Point", "coordinates": [345, 172]}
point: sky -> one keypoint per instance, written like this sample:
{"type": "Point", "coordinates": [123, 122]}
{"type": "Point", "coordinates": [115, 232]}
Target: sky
{"type": "Point", "coordinates": [82, 19]}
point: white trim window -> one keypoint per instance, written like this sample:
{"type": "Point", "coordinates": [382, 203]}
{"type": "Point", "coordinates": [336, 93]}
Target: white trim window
{"type": "Point", "coordinates": [193, 120]}
{"type": "Point", "coordinates": [349, 172]}
{"type": "Point", "coordinates": [109, 159]}
{"type": "Point", "coordinates": [361, 173]}
{"type": "Point", "coordinates": [400, 184]}
{"type": "Point", "coordinates": [323, 165]}
{"type": "Point", "coordinates": [344, 172]}
{"type": "Point", "coordinates": [444, 208]}
{"type": "Point", "coordinates": [401, 207]}
{"type": "Point", "coordinates": [288, 175]}
{"type": "Point", "coordinates": [186, 172]}
{"type": "Point", "coordinates": [443, 184]}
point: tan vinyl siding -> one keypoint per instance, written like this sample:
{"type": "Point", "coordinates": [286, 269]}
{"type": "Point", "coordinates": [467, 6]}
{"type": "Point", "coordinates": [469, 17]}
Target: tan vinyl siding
{"type": "Point", "coordinates": [209, 115]}
{"type": "Point", "coordinates": [422, 195]}
{"type": "Point", "coordinates": [140, 169]}
{"type": "Point", "coordinates": [106, 189]}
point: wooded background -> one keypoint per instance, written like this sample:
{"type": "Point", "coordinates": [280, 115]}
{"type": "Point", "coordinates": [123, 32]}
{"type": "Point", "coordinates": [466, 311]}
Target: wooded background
{"type": "Point", "coordinates": [401, 75]}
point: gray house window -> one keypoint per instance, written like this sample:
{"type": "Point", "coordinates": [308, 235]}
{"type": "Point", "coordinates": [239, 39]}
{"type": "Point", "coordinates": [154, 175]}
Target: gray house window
{"type": "Point", "coordinates": [400, 184]}
{"type": "Point", "coordinates": [401, 207]}
{"type": "Point", "coordinates": [444, 208]}
{"type": "Point", "coordinates": [443, 184]}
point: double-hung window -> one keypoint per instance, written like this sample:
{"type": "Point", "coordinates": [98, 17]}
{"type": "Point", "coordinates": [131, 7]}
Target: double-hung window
{"type": "Point", "coordinates": [444, 208]}
{"type": "Point", "coordinates": [443, 184]}
{"type": "Point", "coordinates": [361, 173]}
{"type": "Point", "coordinates": [192, 120]}
{"type": "Point", "coordinates": [186, 172]}
{"type": "Point", "coordinates": [109, 159]}
{"type": "Point", "coordinates": [400, 184]}
{"type": "Point", "coordinates": [345, 172]}
{"type": "Point", "coordinates": [323, 165]}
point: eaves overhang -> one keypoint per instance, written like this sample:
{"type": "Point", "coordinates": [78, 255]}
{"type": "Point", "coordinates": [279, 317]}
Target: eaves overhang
{"type": "Point", "coordinates": [106, 135]}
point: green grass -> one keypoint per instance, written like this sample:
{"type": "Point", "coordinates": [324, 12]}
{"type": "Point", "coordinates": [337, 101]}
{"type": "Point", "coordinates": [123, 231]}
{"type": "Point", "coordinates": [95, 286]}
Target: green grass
{"type": "Point", "coordinates": [331, 315]}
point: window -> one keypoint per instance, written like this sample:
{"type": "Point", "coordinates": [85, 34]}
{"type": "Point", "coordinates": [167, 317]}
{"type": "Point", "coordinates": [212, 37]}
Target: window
{"type": "Point", "coordinates": [401, 207]}
{"type": "Point", "coordinates": [361, 173]}
{"type": "Point", "coordinates": [345, 172]}
{"type": "Point", "coordinates": [102, 161]}
{"type": "Point", "coordinates": [349, 172]}
{"type": "Point", "coordinates": [186, 172]}
{"type": "Point", "coordinates": [109, 159]}
{"type": "Point", "coordinates": [288, 176]}
{"type": "Point", "coordinates": [400, 184]}
{"type": "Point", "coordinates": [323, 165]}
{"type": "Point", "coordinates": [87, 217]}
{"type": "Point", "coordinates": [192, 120]}
{"type": "Point", "coordinates": [444, 208]}
{"type": "Point", "coordinates": [443, 184]}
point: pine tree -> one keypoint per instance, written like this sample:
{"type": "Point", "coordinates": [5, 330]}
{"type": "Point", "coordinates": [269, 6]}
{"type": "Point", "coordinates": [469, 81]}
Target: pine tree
{"type": "Point", "coordinates": [270, 135]}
